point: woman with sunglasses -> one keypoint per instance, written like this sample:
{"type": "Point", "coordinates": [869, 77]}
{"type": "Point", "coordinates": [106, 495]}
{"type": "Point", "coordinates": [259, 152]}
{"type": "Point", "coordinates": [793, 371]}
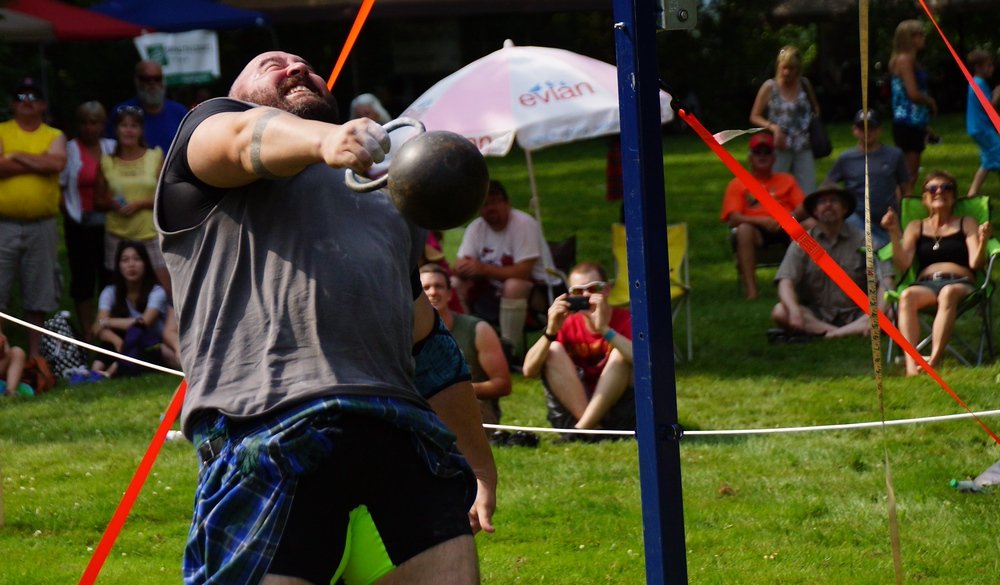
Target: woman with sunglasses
{"type": "Point", "coordinates": [584, 356]}
{"type": "Point", "coordinates": [131, 313]}
{"type": "Point", "coordinates": [947, 250]}
{"type": "Point", "coordinates": [131, 175]}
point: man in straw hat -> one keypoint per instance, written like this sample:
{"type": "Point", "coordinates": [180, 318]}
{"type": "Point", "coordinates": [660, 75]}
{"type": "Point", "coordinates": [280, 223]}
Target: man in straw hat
{"type": "Point", "coordinates": [810, 303]}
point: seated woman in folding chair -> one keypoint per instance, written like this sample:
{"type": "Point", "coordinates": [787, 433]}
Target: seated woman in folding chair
{"type": "Point", "coordinates": [947, 250]}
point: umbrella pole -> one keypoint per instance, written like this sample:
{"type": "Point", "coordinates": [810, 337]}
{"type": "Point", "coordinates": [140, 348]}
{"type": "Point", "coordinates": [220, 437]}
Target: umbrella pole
{"type": "Point", "coordinates": [537, 209]}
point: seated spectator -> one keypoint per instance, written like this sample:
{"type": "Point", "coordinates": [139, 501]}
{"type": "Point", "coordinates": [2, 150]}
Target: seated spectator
{"type": "Point", "coordinates": [83, 226]}
{"type": "Point", "coordinates": [887, 173]}
{"type": "Point", "coordinates": [501, 265]}
{"type": "Point", "coordinates": [584, 356]}
{"type": "Point", "coordinates": [947, 249]}
{"type": "Point", "coordinates": [752, 226]}
{"type": "Point", "coordinates": [810, 302]}
{"type": "Point", "coordinates": [434, 254]}
{"type": "Point", "coordinates": [478, 341]}
{"type": "Point", "coordinates": [12, 361]}
{"type": "Point", "coordinates": [131, 313]}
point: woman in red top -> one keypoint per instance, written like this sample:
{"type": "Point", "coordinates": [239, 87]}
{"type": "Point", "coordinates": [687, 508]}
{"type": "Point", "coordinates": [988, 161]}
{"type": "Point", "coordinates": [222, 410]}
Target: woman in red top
{"type": "Point", "coordinates": [82, 225]}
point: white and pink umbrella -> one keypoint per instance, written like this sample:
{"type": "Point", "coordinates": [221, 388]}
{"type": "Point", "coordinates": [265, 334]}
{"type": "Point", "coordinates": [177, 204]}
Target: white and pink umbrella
{"type": "Point", "coordinates": [539, 96]}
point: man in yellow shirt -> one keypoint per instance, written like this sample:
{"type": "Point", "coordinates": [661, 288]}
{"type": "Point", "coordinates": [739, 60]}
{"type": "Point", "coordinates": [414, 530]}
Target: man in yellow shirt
{"type": "Point", "coordinates": [32, 154]}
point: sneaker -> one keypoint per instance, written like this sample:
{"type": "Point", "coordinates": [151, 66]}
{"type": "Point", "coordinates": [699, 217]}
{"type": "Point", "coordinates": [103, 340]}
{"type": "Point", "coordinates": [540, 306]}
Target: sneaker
{"type": "Point", "coordinates": [499, 438]}
{"type": "Point", "coordinates": [25, 390]}
{"type": "Point", "coordinates": [523, 439]}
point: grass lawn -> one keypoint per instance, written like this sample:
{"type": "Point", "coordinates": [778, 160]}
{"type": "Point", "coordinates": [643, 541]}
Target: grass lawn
{"type": "Point", "coordinates": [804, 508]}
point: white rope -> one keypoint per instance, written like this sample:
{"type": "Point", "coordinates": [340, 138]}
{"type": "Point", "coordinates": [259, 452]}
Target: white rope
{"type": "Point", "coordinates": [91, 347]}
{"type": "Point", "coordinates": [723, 432]}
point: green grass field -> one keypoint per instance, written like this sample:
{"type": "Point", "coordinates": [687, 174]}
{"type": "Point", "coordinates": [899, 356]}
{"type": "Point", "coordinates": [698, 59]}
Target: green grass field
{"type": "Point", "coordinates": [805, 508]}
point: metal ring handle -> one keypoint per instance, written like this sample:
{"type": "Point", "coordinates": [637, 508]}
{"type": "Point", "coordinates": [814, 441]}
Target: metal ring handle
{"type": "Point", "coordinates": [362, 185]}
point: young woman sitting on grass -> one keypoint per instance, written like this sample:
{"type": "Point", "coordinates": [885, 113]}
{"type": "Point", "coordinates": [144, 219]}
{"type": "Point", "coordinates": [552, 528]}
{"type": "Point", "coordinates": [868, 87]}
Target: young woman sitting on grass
{"type": "Point", "coordinates": [131, 313]}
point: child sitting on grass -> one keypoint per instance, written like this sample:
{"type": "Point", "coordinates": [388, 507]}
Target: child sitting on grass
{"type": "Point", "coordinates": [12, 360]}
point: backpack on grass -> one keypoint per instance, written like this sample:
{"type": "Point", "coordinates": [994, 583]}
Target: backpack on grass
{"type": "Point", "coordinates": [64, 357]}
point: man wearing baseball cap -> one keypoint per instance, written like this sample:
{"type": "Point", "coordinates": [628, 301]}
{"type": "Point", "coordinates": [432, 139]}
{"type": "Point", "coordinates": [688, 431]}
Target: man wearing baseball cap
{"type": "Point", "coordinates": [810, 303]}
{"type": "Point", "coordinates": [32, 154]}
{"type": "Point", "coordinates": [887, 175]}
{"type": "Point", "coordinates": [751, 225]}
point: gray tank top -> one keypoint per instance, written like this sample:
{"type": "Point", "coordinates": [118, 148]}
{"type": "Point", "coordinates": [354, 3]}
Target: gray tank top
{"type": "Point", "coordinates": [289, 290]}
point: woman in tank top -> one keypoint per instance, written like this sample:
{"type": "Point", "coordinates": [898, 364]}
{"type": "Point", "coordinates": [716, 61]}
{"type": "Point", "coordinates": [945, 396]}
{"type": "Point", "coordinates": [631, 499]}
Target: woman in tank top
{"type": "Point", "coordinates": [785, 105]}
{"type": "Point", "coordinates": [947, 250]}
{"type": "Point", "coordinates": [912, 105]}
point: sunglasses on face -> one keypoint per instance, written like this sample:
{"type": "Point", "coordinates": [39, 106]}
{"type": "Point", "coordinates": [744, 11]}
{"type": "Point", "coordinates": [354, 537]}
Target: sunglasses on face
{"type": "Point", "coordinates": [591, 287]}
{"type": "Point", "coordinates": [940, 188]}
{"type": "Point", "coordinates": [762, 151]}
{"type": "Point", "coordinates": [150, 78]}
{"type": "Point", "coordinates": [136, 111]}
{"type": "Point", "coordinates": [28, 97]}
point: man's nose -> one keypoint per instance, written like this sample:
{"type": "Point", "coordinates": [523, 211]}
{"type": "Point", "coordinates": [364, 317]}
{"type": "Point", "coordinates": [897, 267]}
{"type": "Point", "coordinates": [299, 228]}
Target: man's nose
{"type": "Point", "coordinates": [296, 68]}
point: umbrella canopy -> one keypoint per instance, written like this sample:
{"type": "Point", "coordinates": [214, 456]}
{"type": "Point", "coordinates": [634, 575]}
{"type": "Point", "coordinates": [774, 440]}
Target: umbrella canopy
{"type": "Point", "coordinates": [75, 24]}
{"type": "Point", "coordinates": [16, 27]}
{"type": "Point", "coordinates": [541, 96]}
{"type": "Point", "coordinates": [181, 15]}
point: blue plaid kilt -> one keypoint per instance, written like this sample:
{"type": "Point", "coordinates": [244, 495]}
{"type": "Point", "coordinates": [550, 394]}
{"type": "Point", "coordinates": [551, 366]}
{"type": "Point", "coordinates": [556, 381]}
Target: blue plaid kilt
{"type": "Point", "coordinates": [245, 492]}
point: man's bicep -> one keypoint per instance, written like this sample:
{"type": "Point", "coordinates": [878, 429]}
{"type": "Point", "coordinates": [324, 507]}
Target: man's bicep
{"type": "Point", "coordinates": [212, 151]}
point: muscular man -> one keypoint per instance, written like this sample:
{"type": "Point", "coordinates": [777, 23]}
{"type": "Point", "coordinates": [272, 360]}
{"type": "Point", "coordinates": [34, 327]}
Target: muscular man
{"type": "Point", "coordinates": [299, 302]}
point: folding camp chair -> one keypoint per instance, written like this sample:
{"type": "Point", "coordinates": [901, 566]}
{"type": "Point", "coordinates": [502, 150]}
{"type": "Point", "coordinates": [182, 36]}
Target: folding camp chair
{"type": "Point", "coordinates": [978, 304]}
{"type": "Point", "coordinates": [680, 285]}
{"type": "Point", "coordinates": [768, 255]}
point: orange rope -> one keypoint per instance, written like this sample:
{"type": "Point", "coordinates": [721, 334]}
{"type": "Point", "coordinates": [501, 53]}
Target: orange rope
{"type": "Point", "coordinates": [985, 101]}
{"type": "Point", "coordinates": [134, 487]}
{"type": "Point", "coordinates": [818, 254]}
{"type": "Point", "coordinates": [359, 21]}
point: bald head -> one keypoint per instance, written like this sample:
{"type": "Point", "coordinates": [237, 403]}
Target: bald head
{"type": "Point", "coordinates": [287, 82]}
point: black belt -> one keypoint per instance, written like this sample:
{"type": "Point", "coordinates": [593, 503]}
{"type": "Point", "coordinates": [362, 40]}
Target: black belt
{"type": "Point", "coordinates": [209, 449]}
{"type": "Point", "coordinates": [942, 276]}
{"type": "Point", "coordinates": [24, 221]}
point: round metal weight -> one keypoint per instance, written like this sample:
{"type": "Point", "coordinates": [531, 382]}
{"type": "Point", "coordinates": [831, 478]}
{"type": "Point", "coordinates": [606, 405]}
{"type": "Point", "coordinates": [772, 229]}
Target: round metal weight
{"type": "Point", "coordinates": [438, 180]}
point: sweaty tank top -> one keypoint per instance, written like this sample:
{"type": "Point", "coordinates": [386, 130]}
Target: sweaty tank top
{"type": "Point", "coordinates": [949, 249]}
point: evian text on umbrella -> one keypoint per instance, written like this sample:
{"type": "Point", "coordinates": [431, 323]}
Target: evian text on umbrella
{"type": "Point", "coordinates": [550, 92]}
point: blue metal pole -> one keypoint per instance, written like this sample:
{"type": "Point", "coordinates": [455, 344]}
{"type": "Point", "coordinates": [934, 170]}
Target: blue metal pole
{"type": "Point", "coordinates": [657, 430]}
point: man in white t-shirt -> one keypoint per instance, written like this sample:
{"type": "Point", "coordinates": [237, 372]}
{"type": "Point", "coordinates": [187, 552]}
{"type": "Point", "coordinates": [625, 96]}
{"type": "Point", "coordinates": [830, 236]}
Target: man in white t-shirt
{"type": "Point", "coordinates": [502, 257]}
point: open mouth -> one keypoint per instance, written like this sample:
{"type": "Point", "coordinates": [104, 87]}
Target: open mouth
{"type": "Point", "coordinates": [299, 90]}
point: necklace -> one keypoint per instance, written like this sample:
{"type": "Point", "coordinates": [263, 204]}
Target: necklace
{"type": "Point", "coordinates": [937, 239]}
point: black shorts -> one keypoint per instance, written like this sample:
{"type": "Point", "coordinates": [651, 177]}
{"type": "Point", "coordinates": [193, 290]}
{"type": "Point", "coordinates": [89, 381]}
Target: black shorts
{"type": "Point", "coordinates": [399, 508]}
{"type": "Point", "coordinates": [767, 238]}
{"type": "Point", "coordinates": [621, 417]}
{"type": "Point", "coordinates": [909, 138]}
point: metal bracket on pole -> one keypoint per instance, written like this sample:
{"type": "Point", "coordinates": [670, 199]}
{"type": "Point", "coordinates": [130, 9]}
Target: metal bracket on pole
{"type": "Point", "coordinates": [677, 14]}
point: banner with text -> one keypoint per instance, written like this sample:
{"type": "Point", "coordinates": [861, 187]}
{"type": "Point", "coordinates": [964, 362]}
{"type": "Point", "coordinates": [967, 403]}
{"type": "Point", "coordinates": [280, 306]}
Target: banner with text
{"type": "Point", "coordinates": [188, 58]}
